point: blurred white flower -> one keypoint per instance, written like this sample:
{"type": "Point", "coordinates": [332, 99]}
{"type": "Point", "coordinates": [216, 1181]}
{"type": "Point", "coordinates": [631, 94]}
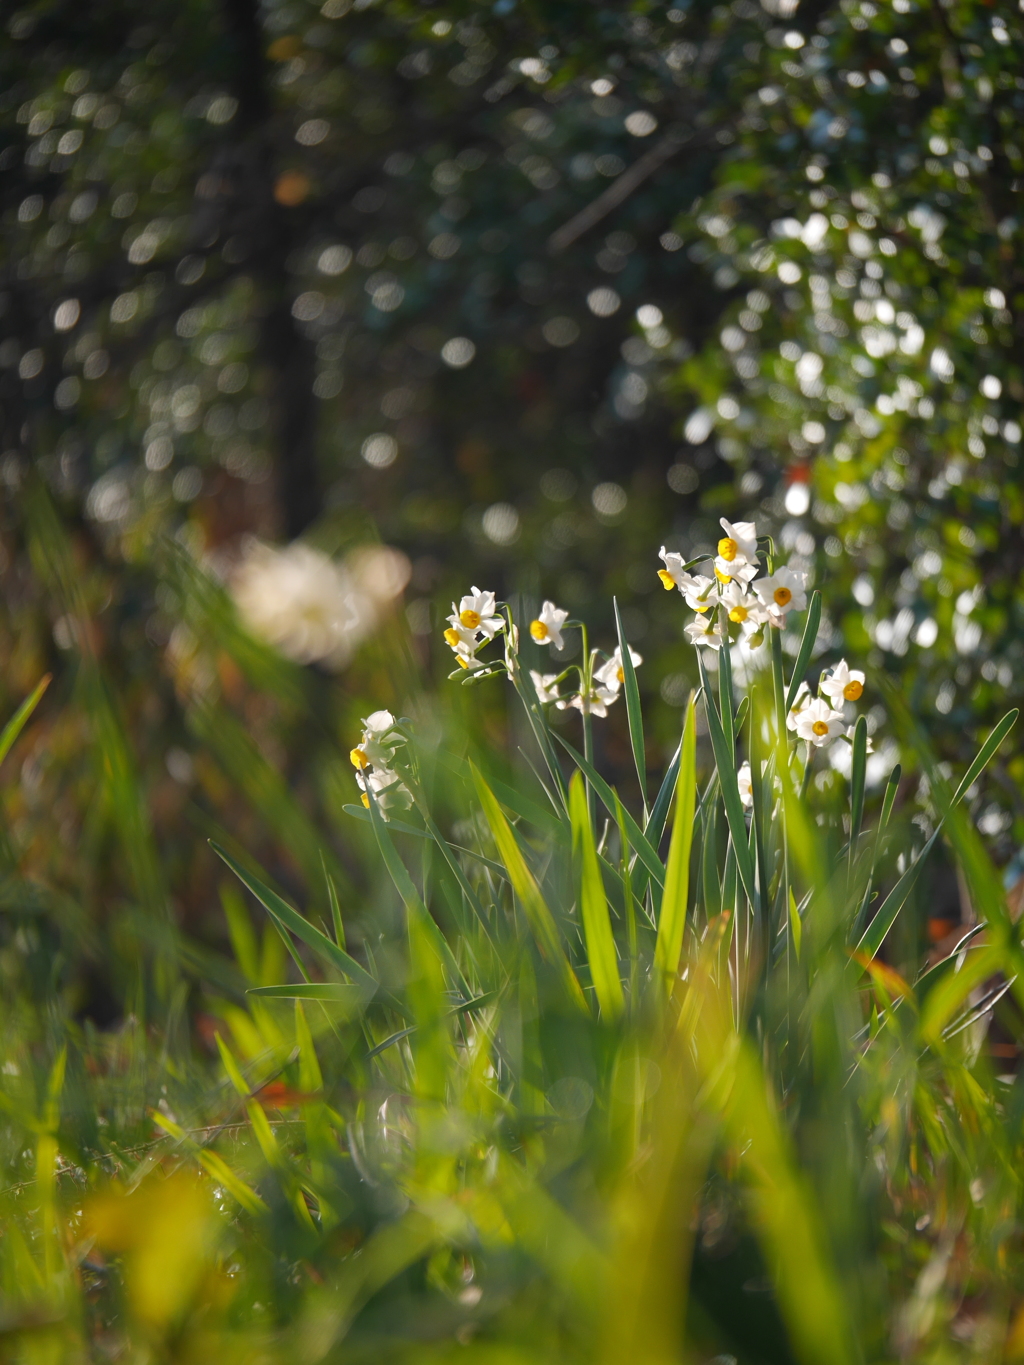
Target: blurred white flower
{"type": "Point", "coordinates": [547, 629]}
{"type": "Point", "coordinates": [310, 608]}
{"type": "Point", "coordinates": [546, 686]}
{"type": "Point", "coordinates": [596, 704]}
{"type": "Point", "coordinates": [705, 631]}
{"type": "Point", "coordinates": [803, 696]}
{"type": "Point", "coordinates": [843, 684]}
{"type": "Point", "coordinates": [390, 791]}
{"type": "Point", "coordinates": [784, 591]}
{"type": "Point", "coordinates": [745, 784]}
{"type": "Point", "coordinates": [817, 723]}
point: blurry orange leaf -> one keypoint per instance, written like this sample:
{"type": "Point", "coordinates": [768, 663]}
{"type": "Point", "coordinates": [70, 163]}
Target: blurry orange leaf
{"type": "Point", "coordinates": [884, 977]}
{"type": "Point", "coordinates": [292, 188]}
{"type": "Point", "coordinates": [280, 1095]}
{"type": "Point", "coordinates": [285, 48]}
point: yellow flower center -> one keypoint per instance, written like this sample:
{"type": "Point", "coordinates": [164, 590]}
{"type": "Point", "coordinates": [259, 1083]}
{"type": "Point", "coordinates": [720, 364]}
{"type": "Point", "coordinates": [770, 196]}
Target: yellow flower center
{"type": "Point", "coordinates": [738, 614]}
{"type": "Point", "coordinates": [539, 631]}
{"type": "Point", "coordinates": [365, 800]}
{"type": "Point", "coordinates": [470, 619]}
{"type": "Point", "coordinates": [728, 549]}
{"type": "Point", "coordinates": [620, 675]}
{"type": "Point", "coordinates": [452, 636]}
{"type": "Point", "coordinates": [853, 690]}
{"type": "Point", "coordinates": [819, 727]}
{"type": "Point", "coordinates": [358, 759]}
{"type": "Point", "coordinates": [463, 662]}
{"type": "Point", "coordinates": [783, 597]}
{"type": "Point", "coordinates": [667, 581]}
{"type": "Point", "coordinates": [722, 577]}
{"type": "Point", "coordinates": [701, 608]}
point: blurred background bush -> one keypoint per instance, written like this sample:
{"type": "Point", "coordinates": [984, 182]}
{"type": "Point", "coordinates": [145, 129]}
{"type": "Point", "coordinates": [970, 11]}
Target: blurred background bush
{"type": "Point", "coordinates": [521, 290]}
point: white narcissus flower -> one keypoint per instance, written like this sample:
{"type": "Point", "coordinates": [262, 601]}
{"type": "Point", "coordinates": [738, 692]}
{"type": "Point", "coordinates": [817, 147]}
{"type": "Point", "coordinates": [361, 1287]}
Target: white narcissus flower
{"type": "Point", "coordinates": [610, 675]}
{"type": "Point", "coordinates": [547, 628]}
{"type": "Point", "coordinates": [737, 551]}
{"type": "Point", "coordinates": [388, 788]}
{"type": "Point", "coordinates": [699, 592]}
{"type": "Point", "coordinates": [705, 631]}
{"type": "Point", "coordinates": [476, 611]}
{"type": "Point", "coordinates": [803, 696]}
{"type": "Point", "coordinates": [463, 641]}
{"type": "Point", "coordinates": [740, 607]}
{"type": "Point", "coordinates": [784, 591]}
{"type": "Point", "coordinates": [817, 723]}
{"type": "Point", "coordinates": [745, 785]}
{"type": "Point", "coordinates": [546, 686]}
{"type": "Point", "coordinates": [843, 684]}
{"type": "Point", "coordinates": [742, 538]}
{"type": "Point", "coordinates": [379, 742]}
{"type": "Point", "coordinates": [673, 573]}
{"type": "Point", "coordinates": [596, 704]}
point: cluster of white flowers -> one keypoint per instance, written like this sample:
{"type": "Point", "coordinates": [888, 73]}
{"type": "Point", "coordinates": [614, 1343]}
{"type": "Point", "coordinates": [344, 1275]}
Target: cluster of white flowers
{"type": "Point", "coordinates": [474, 622]}
{"type": "Point", "coordinates": [372, 759]}
{"type": "Point", "coordinates": [605, 681]}
{"type": "Point", "coordinates": [818, 720]}
{"type": "Point", "coordinates": [744, 599]}
{"type": "Point", "coordinates": [605, 685]}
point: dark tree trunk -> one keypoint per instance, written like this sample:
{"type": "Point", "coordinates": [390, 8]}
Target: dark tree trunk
{"type": "Point", "coordinates": [269, 232]}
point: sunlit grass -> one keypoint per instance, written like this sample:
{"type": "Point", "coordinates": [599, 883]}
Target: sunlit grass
{"type": "Point", "coordinates": [594, 1080]}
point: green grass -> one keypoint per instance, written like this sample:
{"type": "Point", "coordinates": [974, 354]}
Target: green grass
{"type": "Point", "coordinates": [571, 1079]}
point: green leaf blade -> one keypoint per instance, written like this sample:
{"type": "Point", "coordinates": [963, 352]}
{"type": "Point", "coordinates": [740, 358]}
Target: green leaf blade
{"type": "Point", "coordinates": [597, 927]}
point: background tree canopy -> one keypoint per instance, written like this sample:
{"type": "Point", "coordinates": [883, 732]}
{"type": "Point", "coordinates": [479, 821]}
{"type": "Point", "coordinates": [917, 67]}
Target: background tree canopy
{"type": "Point", "coordinates": [530, 288]}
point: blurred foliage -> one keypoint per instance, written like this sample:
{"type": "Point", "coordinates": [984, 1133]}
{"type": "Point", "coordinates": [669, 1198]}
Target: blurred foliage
{"type": "Point", "coordinates": [531, 286]}
{"type": "Point", "coordinates": [577, 1097]}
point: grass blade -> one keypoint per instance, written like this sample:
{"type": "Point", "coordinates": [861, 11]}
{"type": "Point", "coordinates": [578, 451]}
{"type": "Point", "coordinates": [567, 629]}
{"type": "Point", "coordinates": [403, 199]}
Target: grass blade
{"type": "Point", "coordinates": [672, 920]}
{"type": "Point", "coordinates": [986, 754]}
{"type": "Point", "coordinates": [803, 657]}
{"type": "Point", "coordinates": [336, 992]}
{"type": "Point", "coordinates": [655, 827]}
{"type": "Point", "coordinates": [874, 935]}
{"type": "Point", "coordinates": [20, 719]}
{"type": "Point", "coordinates": [338, 922]}
{"type": "Point", "coordinates": [857, 779]}
{"type": "Point", "coordinates": [633, 713]}
{"type": "Point", "coordinates": [361, 813]}
{"type": "Point", "coordinates": [597, 927]}
{"type": "Point", "coordinates": [540, 918]}
{"type": "Point", "coordinates": [411, 898]}
{"type": "Point", "coordinates": [725, 762]}
{"type": "Point", "coordinates": [289, 918]}
{"type": "Point", "coordinates": [641, 845]}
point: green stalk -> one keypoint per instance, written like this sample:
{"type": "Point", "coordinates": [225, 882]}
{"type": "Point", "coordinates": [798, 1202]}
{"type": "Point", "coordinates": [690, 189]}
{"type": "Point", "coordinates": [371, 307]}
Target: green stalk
{"type": "Point", "coordinates": [629, 901]}
{"type": "Point", "coordinates": [725, 689]}
{"type": "Point", "coordinates": [586, 676]}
